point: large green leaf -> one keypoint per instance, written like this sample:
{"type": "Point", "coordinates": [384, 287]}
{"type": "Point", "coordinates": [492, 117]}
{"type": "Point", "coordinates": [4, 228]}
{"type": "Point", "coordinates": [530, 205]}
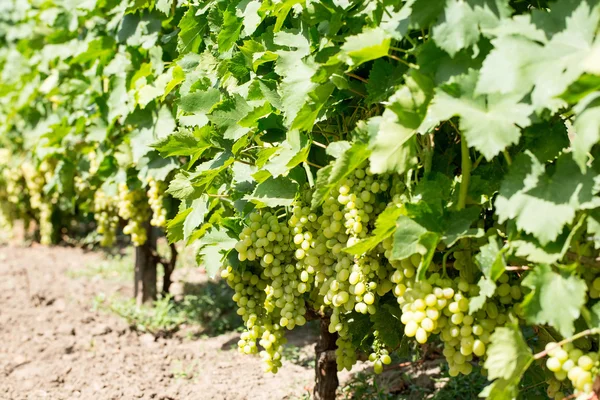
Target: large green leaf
{"type": "Point", "coordinates": [554, 299]}
{"type": "Point", "coordinates": [529, 195]}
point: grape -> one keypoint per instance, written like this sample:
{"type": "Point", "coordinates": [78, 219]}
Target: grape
{"type": "Point", "coordinates": [569, 362]}
{"type": "Point", "coordinates": [106, 216]}
{"type": "Point", "coordinates": [133, 207]}
{"type": "Point", "coordinates": [155, 194]}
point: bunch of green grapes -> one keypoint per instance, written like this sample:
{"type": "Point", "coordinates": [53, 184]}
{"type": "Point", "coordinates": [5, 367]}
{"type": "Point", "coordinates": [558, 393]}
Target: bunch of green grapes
{"type": "Point", "coordinates": [14, 181]}
{"type": "Point", "coordinates": [347, 283]}
{"type": "Point", "coordinates": [155, 194]}
{"type": "Point", "coordinates": [277, 286]}
{"type": "Point", "coordinates": [569, 362]}
{"type": "Point", "coordinates": [556, 389]}
{"type": "Point", "coordinates": [133, 208]}
{"type": "Point", "coordinates": [466, 336]}
{"type": "Point", "coordinates": [34, 182]}
{"type": "Point", "coordinates": [250, 297]}
{"type": "Point", "coordinates": [43, 206]}
{"type": "Point", "coordinates": [8, 191]}
{"type": "Point", "coordinates": [440, 305]}
{"type": "Point", "coordinates": [106, 216]}
{"type": "Point", "coordinates": [380, 355]}
{"type": "Point", "coordinates": [45, 221]}
{"type": "Point", "coordinates": [593, 282]}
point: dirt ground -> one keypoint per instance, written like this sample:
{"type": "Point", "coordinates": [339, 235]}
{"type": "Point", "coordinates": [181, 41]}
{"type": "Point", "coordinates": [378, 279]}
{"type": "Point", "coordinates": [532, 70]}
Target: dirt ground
{"type": "Point", "coordinates": [53, 345]}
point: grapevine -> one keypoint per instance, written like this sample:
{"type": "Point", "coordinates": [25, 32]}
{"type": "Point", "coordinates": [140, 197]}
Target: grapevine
{"type": "Point", "coordinates": [407, 176]}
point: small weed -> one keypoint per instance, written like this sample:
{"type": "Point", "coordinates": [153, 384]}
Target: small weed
{"type": "Point", "coordinates": [118, 267]}
{"type": "Point", "coordinates": [294, 355]}
{"type": "Point", "coordinates": [212, 309]}
{"type": "Point", "coordinates": [161, 320]}
{"type": "Point", "coordinates": [182, 371]}
{"type": "Point", "coordinates": [363, 386]}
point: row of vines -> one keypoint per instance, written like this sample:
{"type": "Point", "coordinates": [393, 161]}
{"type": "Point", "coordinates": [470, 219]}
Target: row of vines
{"type": "Point", "coordinates": [407, 172]}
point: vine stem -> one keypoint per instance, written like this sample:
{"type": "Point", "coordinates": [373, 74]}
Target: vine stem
{"type": "Point", "coordinates": [466, 173]}
{"type": "Point", "coordinates": [507, 158]}
{"type": "Point", "coordinates": [408, 64]}
{"type": "Point", "coordinates": [313, 164]}
{"type": "Point", "coordinates": [245, 162]}
{"type": "Point", "coordinates": [429, 145]}
{"type": "Point", "coordinates": [319, 144]}
{"type": "Point", "coordinates": [360, 78]}
{"type": "Point", "coordinates": [517, 268]}
{"type": "Point", "coordinates": [581, 334]}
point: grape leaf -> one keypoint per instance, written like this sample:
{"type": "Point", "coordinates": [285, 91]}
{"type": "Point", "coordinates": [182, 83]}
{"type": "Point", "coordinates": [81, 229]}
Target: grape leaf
{"type": "Point", "coordinates": [213, 246]}
{"type": "Point", "coordinates": [487, 288]}
{"type": "Point", "coordinates": [180, 187]}
{"type": "Point", "coordinates": [393, 141]}
{"type": "Point", "coordinates": [164, 6]}
{"type": "Point", "coordinates": [457, 225]}
{"type": "Point", "coordinates": [383, 78]}
{"type": "Point", "coordinates": [327, 180]}
{"type": "Point", "coordinates": [459, 28]}
{"type": "Point", "coordinates": [191, 31]}
{"type": "Point", "coordinates": [393, 146]}
{"type": "Point", "coordinates": [406, 238]}
{"type": "Point", "coordinates": [384, 228]}
{"type": "Point", "coordinates": [274, 192]}
{"type": "Point", "coordinates": [292, 152]}
{"type": "Point", "coordinates": [175, 226]}
{"type": "Point", "coordinates": [528, 195]}
{"type": "Point", "coordinates": [488, 123]}
{"type": "Point", "coordinates": [230, 31]}
{"type": "Point", "coordinates": [554, 299]}
{"type": "Point", "coordinates": [181, 144]}
{"type": "Point", "coordinates": [366, 46]}
{"type": "Point", "coordinates": [199, 102]}
{"type": "Point", "coordinates": [227, 115]}
{"type": "Point", "coordinates": [360, 329]}
{"type": "Point", "coordinates": [508, 356]}
{"type": "Point", "coordinates": [586, 129]}
{"type": "Point", "coordinates": [491, 259]}
{"type": "Point", "coordinates": [519, 64]}
{"type": "Point", "coordinates": [195, 218]}
{"type": "Point", "coordinates": [387, 322]}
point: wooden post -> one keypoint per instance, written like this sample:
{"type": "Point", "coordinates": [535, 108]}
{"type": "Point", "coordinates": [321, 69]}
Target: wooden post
{"type": "Point", "coordinates": [169, 267]}
{"type": "Point", "coordinates": [145, 269]}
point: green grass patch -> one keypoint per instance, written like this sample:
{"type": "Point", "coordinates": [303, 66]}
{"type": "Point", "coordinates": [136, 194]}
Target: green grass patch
{"type": "Point", "coordinates": [210, 309]}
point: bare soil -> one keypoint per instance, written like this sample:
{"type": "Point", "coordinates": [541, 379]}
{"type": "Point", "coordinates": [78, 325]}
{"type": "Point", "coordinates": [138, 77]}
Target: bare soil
{"type": "Point", "coordinates": [54, 345]}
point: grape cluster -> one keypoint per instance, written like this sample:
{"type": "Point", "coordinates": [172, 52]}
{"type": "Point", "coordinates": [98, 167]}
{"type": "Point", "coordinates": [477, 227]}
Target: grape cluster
{"type": "Point", "coordinates": [35, 180]}
{"type": "Point", "coordinates": [567, 361]}
{"type": "Point", "coordinates": [288, 258]}
{"type": "Point", "coordinates": [250, 297]}
{"type": "Point", "coordinates": [440, 305]}
{"type": "Point", "coordinates": [298, 256]}
{"type": "Point", "coordinates": [380, 355]}
{"type": "Point", "coordinates": [10, 182]}
{"type": "Point", "coordinates": [277, 288]}
{"type": "Point", "coordinates": [351, 283]}
{"type": "Point", "coordinates": [155, 193]}
{"type": "Point", "coordinates": [106, 216]}
{"type": "Point", "coordinates": [133, 207]}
